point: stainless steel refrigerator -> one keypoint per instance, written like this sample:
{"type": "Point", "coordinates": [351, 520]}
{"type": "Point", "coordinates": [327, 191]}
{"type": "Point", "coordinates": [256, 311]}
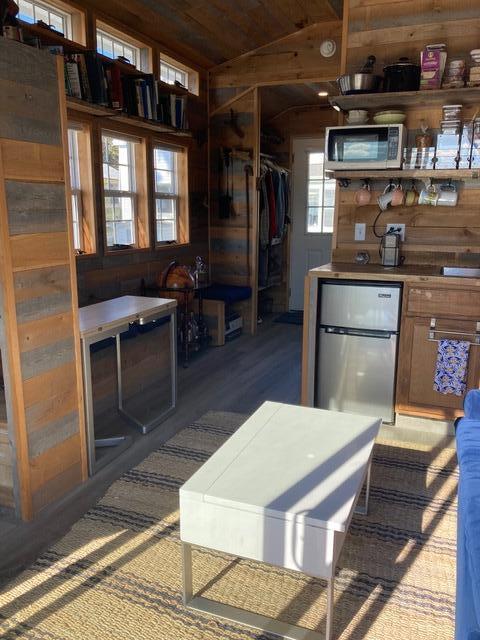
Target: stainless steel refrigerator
{"type": "Point", "coordinates": [357, 347]}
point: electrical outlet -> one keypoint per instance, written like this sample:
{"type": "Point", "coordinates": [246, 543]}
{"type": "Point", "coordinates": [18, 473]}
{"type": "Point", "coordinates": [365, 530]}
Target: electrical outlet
{"type": "Point", "coordinates": [397, 228]}
{"type": "Point", "coordinates": [360, 230]}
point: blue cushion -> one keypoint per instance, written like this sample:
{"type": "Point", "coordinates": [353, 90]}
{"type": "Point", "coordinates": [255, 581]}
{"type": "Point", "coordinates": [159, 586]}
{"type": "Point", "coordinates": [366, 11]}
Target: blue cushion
{"type": "Point", "coordinates": [228, 293]}
{"type": "Point", "coordinates": [467, 623]}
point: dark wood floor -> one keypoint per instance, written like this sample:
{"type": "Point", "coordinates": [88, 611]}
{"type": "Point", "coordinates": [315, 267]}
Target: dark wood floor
{"type": "Point", "coordinates": [237, 377]}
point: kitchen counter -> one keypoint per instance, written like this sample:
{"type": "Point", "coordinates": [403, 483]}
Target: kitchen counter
{"type": "Point", "coordinates": [406, 273]}
{"type": "Point", "coordinates": [434, 307]}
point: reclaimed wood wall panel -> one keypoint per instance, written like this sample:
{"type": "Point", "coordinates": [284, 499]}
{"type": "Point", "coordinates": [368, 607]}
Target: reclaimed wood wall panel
{"type": "Point", "coordinates": [294, 58]}
{"type": "Point", "coordinates": [29, 100]}
{"type": "Point", "coordinates": [233, 245]}
{"type": "Point", "coordinates": [39, 280]}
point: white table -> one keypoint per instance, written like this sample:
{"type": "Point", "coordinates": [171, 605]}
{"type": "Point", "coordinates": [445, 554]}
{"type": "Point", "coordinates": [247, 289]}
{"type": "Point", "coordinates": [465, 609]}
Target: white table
{"type": "Point", "coordinates": [281, 490]}
{"type": "Point", "coordinates": [108, 320]}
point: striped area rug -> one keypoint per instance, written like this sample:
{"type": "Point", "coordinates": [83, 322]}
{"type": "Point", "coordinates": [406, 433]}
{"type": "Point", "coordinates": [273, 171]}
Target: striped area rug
{"type": "Point", "coordinates": [116, 574]}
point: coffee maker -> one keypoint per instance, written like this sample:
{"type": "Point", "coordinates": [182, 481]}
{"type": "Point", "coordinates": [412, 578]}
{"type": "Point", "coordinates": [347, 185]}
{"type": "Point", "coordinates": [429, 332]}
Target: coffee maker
{"type": "Point", "coordinates": [390, 250]}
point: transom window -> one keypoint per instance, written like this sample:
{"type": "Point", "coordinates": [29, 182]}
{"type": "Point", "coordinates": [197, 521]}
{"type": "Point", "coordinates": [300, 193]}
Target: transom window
{"type": "Point", "coordinates": [170, 73]}
{"type": "Point", "coordinates": [119, 189]}
{"type": "Point", "coordinates": [76, 188]}
{"type": "Point", "coordinates": [166, 167]}
{"type": "Point", "coordinates": [112, 47]}
{"type": "Point", "coordinates": [321, 196]}
{"type": "Point", "coordinates": [32, 11]}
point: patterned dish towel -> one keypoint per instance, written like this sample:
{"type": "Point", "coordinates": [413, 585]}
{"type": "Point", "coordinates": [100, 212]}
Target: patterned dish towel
{"type": "Point", "coordinates": [452, 367]}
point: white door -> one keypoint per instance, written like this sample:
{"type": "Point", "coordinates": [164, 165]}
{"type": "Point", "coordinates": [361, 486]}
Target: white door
{"type": "Point", "coordinates": [313, 201]}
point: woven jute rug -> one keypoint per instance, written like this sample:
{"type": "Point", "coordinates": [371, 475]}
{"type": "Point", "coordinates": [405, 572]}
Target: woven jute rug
{"type": "Point", "coordinates": [116, 574]}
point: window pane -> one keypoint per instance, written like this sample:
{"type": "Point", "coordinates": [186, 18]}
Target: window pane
{"type": "Point", "coordinates": [169, 73]}
{"type": "Point", "coordinates": [41, 14]}
{"type": "Point", "coordinates": [166, 216]}
{"type": "Point", "coordinates": [26, 11]}
{"type": "Point", "coordinates": [321, 196]}
{"type": "Point", "coordinates": [164, 159]}
{"type": "Point", "coordinates": [57, 22]}
{"type": "Point", "coordinates": [111, 46]}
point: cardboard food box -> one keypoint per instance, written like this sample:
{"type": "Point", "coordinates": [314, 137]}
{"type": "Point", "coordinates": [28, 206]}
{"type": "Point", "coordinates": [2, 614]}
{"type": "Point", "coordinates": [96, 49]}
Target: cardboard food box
{"type": "Point", "coordinates": [432, 61]}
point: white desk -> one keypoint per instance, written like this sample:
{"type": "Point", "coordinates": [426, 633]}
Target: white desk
{"type": "Point", "coordinates": [109, 319]}
{"type": "Point", "coordinates": [281, 490]}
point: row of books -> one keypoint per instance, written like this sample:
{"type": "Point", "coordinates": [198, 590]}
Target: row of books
{"type": "Point", "coordinates": [89, 77]}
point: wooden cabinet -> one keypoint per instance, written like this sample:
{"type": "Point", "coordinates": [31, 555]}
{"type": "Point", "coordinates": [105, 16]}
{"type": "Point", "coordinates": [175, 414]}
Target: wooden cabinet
{"type": "Point", "coordinates": [456, 311]}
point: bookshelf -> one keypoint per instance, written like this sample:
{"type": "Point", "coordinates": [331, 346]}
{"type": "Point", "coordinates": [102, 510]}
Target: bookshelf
{"type": "Point", "coordinates": [50, 38]}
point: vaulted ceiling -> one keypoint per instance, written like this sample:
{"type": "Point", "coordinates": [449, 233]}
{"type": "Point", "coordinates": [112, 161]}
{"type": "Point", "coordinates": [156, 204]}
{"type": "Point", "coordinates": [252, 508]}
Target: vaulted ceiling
{"type": "Point", "coordinates": [213, 31]}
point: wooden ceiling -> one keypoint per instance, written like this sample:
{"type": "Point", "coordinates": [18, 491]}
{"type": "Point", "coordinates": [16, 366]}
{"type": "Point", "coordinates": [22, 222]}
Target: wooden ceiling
{"type": "Point", "coordinates": [213, 31]}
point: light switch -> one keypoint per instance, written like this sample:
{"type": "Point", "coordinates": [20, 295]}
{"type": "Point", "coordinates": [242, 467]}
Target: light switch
{"type": "Point", "coordinates": [360, 228]}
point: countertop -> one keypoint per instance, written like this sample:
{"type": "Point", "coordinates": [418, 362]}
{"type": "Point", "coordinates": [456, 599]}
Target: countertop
{"type": "Point", "coordinates": [405, 273]}
{"type": "Point", "coordinates": [108, 314]}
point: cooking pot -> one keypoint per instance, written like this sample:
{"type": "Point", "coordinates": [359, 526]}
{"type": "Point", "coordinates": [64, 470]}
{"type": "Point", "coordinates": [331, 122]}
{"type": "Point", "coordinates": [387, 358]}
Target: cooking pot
{"type": "Point", "coordinates": [359, 83]}
{"type": "Point", "coordinates": [403, 75]}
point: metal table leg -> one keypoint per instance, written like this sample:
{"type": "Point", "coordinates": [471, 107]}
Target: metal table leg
{"type": "Point", "coordinates": [93, 442]}
{"type": "Point", "coordinates": [248, 618]}
{"type": "Point", "coordinates": [147, 427]}
{"type": "Point", "coordinates": [363, 510]}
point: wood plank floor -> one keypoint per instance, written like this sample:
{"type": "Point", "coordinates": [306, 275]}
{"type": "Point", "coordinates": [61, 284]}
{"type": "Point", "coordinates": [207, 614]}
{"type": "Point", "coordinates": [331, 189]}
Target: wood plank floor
{"type": "Point", "coordinates": [237, 377]}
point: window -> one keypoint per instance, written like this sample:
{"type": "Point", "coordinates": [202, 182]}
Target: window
{"type": "Point", "coordinates": [76, 188]}
{"type": "Point", "coordinates": [171, 74]}
{"type": "Point", "coordinates": [81, 182]}
{"type": "Point", "coordinates": [33, 10]}
{"type": "Point", "coordinates": [112, 47]}
{"type": "Point", "coordinates": [321, 196]}
{"type": "Point", "coordinates": [166, 165]}
{"type": "Point", "coordinates": [172, 71]}
{"type": "Point", "coordinates": [119, 189]}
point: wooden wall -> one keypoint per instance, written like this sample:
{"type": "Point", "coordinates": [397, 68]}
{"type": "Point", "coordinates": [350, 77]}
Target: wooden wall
{"type": "Point", "coordinates": [233, 247]}
{"type": "Point", "coordinates": [106, 275]}
{"type": "Point", "coordinates": [42, 358]}
{"type": "Point", "coordinates": [389, 29]}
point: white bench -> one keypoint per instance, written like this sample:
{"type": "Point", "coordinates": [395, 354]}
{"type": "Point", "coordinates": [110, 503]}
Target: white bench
{"type": "Point", "coordinates": [281, 490]}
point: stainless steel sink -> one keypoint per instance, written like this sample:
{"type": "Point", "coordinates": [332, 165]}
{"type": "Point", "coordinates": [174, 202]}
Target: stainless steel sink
{"type": "Point", "coordinates": [460, 272]}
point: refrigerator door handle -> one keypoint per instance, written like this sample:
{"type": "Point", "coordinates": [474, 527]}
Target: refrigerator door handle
{"type": "Point", "coordinates": [363, 333]}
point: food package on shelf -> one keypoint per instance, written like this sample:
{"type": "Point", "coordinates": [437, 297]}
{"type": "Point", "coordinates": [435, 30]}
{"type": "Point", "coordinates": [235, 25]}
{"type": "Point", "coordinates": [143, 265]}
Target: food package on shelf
{"type": "Point", "coordinates": [432, 61]}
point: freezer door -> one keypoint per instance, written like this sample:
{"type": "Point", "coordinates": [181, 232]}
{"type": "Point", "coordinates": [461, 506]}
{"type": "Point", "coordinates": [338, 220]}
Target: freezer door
{"type": "Point", "coordinates": [360, 306]}
{"type": "Point", "coordinates": [356, 373]}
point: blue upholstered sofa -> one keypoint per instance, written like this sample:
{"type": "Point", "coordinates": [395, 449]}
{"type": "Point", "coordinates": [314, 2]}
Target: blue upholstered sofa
{"type": "Point", "coordinates": [467, 623]}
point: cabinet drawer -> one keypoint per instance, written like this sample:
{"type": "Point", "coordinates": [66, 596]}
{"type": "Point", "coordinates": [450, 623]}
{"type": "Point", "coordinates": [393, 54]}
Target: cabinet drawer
{"type": "Point", "coordinates": [458, 303]}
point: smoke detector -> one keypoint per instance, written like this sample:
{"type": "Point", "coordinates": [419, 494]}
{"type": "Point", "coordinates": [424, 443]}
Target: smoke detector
{"type": "Point", "coordinates": [328, 48]}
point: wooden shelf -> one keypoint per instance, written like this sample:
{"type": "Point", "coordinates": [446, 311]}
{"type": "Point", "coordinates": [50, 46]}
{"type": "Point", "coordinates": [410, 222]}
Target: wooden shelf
{"type": "Point", "coordinates": [75, 104]}
{"type": "Point", "coordinates": [89, 107]}
{"type": "Point", "coordinates": [151, 125]}
{"type": "Point", "coordinates": [467, 95]}
{"type": "Point", "coordinates": [453, 174]}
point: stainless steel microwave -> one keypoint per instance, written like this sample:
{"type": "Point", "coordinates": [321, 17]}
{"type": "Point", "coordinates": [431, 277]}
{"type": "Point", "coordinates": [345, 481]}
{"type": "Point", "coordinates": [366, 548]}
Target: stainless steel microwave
{"type": "Point", "coordinates": [366, 146]}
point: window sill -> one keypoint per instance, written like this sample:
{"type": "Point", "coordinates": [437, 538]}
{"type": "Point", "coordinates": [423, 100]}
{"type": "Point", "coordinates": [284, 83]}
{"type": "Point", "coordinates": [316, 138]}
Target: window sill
{"type": "Point", "coordinates": [122, 252]}
{"type": "Point", "coordinates": [85, 255]}
{"type": "Point", "coordinates": [162, 246]}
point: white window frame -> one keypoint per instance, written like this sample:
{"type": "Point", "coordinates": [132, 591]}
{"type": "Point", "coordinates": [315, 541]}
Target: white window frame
{"type": "Point", "coordinates": [325, 179]}
{"type": "Point", "coordinates": [175, 197]}
{"type": "Point", "coordinates": [103, 33]}
{"type": "Point", "coordinates": [117, 193]}
{"type": "Point", "coordinates": [191, 76]}
{"type": "Point", "coordinates": [167, 68]}
{"type": "Point", "coordinates": [51, 9]}
{"type": "Point", "coordinates": [76, 188]}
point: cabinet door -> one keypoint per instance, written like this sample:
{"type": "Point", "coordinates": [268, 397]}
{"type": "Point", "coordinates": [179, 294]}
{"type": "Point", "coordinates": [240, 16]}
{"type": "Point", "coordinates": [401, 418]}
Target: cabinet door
{"type": "Point", "coordinates": [417, 364]}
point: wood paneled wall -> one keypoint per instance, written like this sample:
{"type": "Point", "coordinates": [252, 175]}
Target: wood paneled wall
{"type": "Point", "coordinates": [233, 240]}
{"type": "Point", "coordinates": [42, 346]}
{"type": "Point", "coordinates": [389, 29]}
{"type": "Point", "coordinates": [107, 275]}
